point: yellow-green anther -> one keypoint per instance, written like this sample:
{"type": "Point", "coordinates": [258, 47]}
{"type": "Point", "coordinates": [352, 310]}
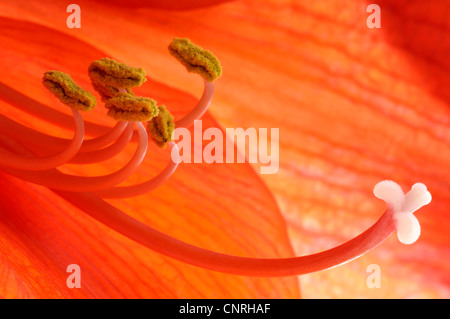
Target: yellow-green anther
{"type": "Point", "coordinates": [106, 91]}
{"type": "Point", "coordinates": [196, 59]}
{"type": "Point", "coordinates": [127, 107]}
{"type": "Point", "coordinates": [67, 91]}
{"type": "Point", "coordinates": [115, 74]}
{"type": "Point", "coordinates": [161, 127]}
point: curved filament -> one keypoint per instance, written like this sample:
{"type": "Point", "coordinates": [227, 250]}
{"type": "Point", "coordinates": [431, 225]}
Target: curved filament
{"type": "Point", "coordinates": [200, 108]}
{"type": "Point", "coordinates": [57, 180]}
{"type": "Point", "coordinates": [142, 188]}
{"type": "Point", "coordinates": [44, 143]}
{"type": "Point", "coordinates": [105, 139]}
{"type": "Point", "coordinates": [99, 155]}
{"type": "Point", "coordinates": [43, 112]}
{"type": "Point", "coordinates": [179, 250]}
{"type": "Point", "coordinates": [47, 162]}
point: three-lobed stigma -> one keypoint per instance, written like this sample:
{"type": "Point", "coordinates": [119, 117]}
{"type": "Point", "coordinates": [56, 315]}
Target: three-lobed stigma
{"type": "Point", "coordinates": [403, 206]}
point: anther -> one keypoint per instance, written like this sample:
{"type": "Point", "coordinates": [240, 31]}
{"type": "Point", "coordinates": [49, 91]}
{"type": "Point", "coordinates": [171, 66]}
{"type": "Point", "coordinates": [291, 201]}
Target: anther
{"type": "Point", "coordinates": [115, 74]}
{"type": "Point", "coordinates": [106, 91]}
{"type": "Point", "coordinates": [196, 59]}
{"type": "Point", "coordinates": [127, 107]}
{"type": "Point", "coordinates": [161, 127]}
{"type": "Point", "coordinates": [67, 91]}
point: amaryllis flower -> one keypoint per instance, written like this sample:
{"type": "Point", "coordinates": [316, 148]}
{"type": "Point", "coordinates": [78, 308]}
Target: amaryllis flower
{"type": "Point", "coordinates": [355, 106]}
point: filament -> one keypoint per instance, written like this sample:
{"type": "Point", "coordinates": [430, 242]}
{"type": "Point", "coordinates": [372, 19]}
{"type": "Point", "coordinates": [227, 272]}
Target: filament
{"type": "Point", "coordinates": [108, 152]}
{"type": "Point", "coordinates": [43, 163]}
{"type": "Point", "coordinates": [142, 188]}
{"type": "Point", "coordinates": [43, 112]}
{"type": "Point", "coordinates": [105, 139]}
{"type": "Point", "coordinates": [41, 142]}
{"type": "Point", "coordinates": [200, 108]}
{"type": "Point", "coordinates": [57, 180]}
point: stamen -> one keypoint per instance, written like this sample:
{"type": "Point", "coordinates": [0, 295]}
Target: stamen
{"type": "Point", "coordinates": [63, 87]}
{"type": "Point", "coordinates": [196, 59]}
{"type": "Point", "coordinates": [161, 127]}
{"type": "Point", "coordinates": [202, 62]}
{"type": "Point", "coordinates": [69, 93]}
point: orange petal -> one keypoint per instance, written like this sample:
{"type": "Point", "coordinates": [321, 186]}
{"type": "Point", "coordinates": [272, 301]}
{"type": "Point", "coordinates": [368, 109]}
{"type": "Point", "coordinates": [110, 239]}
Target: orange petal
{"type": "Point", "coordinates": [168, 4]}
{"type": "Point", "coordinates": [354, 106]}
{"type": "Point", "coordinates": [41, 235]}
{"type": "Point", "coordinates": [229, 210]}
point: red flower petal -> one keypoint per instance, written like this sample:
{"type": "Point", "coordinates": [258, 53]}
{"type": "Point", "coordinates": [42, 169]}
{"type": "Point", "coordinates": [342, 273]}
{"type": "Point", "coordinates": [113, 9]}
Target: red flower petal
{"type": "Point", "coordinates": [46, 234]}
{"type": "Point", "coordinates": [42, 234]}
{"type": "Point", "coordinates": [354, 106]}
{"type": "Point", "coordinates": [168, 4]}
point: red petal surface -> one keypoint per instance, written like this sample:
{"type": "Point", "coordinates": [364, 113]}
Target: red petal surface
{"type": "Point", "coordinates": [354, 106]}
{"type": "Point", "coordinates": [167, 4]}
{"type": "Point", "coordinates": [229, 209]}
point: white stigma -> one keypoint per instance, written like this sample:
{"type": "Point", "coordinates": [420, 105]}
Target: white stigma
{"type": "Point", "coordinates": [403, 207]}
